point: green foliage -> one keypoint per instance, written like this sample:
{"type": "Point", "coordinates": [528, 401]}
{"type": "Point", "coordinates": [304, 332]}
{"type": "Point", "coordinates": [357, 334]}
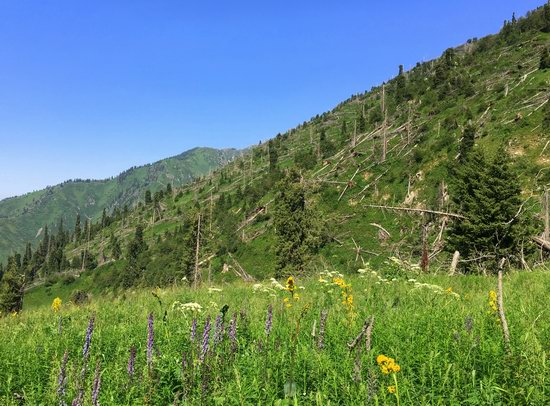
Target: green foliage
{"type": "Point", "coordinates": [305, 159]}
{"type": "Point", "coordinates": [459, 359]}
{"type": "Point", "coordinates": [545, 59]}
{"type": "Point", "coordinates": [297, 233]}
{"type": "Point", "coordinates": [11, 289]}
{"type": "Point", "coordinates": [486, 191]}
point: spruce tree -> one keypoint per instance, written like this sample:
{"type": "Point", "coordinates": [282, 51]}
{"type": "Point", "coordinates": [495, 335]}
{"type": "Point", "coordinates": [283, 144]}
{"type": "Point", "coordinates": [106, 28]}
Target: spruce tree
{"type": "Point", "coordinates": [134, 266]}
{"type": "Point", "coordinates": [468, 142]}
{"type": "Point", "coordinates": [77, 229]}
{"type": "Point", "coordinates": [148, 198]}
{"type": "Point", "coordinates": [326, 147]}
{"type": "Point", "coordinates": [297, 233]}
{"type": "Point", "coordinates": [273, 156]}
{"type": "Point", "coordinates": [545, 59]}
{"type": "Point", "coordinates": [487, 193]}
{"type": "Point", "coordinates": [11, 289]}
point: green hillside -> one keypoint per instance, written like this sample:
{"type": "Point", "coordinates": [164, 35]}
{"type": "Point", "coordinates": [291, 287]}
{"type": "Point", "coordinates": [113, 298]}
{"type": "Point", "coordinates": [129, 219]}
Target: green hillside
{"type": "Point", "coordinates": [22, 217]}
{"type": "Point", "coordinates": [398, 145]}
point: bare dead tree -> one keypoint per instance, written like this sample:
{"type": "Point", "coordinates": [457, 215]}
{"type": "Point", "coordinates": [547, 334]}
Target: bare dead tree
{"type": "Point", "coordinates": [500, 305]}
{"type": "Point", "coordinates": [196, 276]}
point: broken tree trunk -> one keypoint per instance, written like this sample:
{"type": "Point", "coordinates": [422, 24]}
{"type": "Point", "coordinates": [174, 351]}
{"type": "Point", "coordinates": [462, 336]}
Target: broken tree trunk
{"type": "Point", "coordinates": [454, 263]}
{"type": "Point", "coordinates": [546, 209]}
{"type": "Point", "coordinates": [501, 314]}
{"type": "Point", "coordinates": [543, 243]}
{"type": "Point", "coordinates": [197, 249]}
{"type": "Point", "coordinates": [413, 210]}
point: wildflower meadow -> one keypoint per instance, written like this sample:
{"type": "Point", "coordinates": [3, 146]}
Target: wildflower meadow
{"type": "Point", "coordinates": [366, 338]}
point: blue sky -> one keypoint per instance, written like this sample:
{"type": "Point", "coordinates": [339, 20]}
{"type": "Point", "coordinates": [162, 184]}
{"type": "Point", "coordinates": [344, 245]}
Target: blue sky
{"type": "Point", "coordinates": [90, 88]}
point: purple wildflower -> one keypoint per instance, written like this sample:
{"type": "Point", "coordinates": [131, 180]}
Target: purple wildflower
{"type": "Point", "coordinates": [150, 340]}
{"type": "Point", "coordinates": [233, 332]}
{"type": "Point", "coordinates": [97, 386]}
{"type": "Point", "coordinates": [62, 380]}
{"type": "Point", "coordinates": [269, 320]}
{"type": "Point", "coordinates": [205, 339]}
{"type": "Point", "coordinates": [218, 331]}
{"type": "Point", "coordinates": [88, 340]}
{"type": "Point", "coordinates": [322, 324]}
{"type": "Point", "coordinates": [131, 362]}
{"type": "Point", "coordinates": [193, 330]}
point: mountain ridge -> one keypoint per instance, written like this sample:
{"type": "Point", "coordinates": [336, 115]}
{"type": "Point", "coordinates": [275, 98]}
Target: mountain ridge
{"type": "Point", "coordinates": [107, 193]}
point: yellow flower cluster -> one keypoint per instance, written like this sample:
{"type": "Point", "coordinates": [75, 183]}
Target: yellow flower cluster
{"type": "Point", "coordinates": [290, 285]}
{"type": "Point", "coordinates": [391, 389]}
{"type": "Point", "coordinates": [56, 305]}
{"type": "Point", "coordinates": [291, 288]}
{"type": "Point", "coordinates": [346, 292]}
{"type": "Point", "coordinates": [493, 301]}
{"type": "Point", "coordinates": [387, 365]}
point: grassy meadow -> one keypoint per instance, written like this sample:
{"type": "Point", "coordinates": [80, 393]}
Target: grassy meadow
{"type": "Point", "coordinates": [279, 344]}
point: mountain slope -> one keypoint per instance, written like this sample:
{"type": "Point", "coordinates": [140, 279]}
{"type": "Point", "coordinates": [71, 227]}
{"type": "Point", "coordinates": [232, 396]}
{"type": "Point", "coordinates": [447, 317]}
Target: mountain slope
{"type": "Point", "coordinates": [495, 84]}
{"type": "Point", "coordinates": [22, 217]}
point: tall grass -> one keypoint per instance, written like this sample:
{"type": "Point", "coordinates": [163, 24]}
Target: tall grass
{"type": "Point", "coordinates": [264, 350]}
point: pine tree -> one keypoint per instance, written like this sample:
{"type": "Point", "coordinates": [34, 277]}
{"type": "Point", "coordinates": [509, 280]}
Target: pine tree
{"type": "Point", "coordinates": [486, 191]}
{"type": "Point", "coordinates": [546, 118]}
{"type": "Point", "coordinates": [11, 289]}
{"type": "Point", "coordinates": [169, 189]}
{"type": "Point", "coordinates": [343, 129]}
{"type": "Point", "coordinates": [545, 59]}
{"type": "Point", "coordinates": [468, 142]}
{"type": "Point", "coordinates": [148, 198]}
{"type": "Point", "coordinates": [273, 156]}
{"type": "Point", "coordinates": [104, 221]}
{"type": "Point", "coordinates": [297, 234]}
{"type": "Point", "coordinates": [116, 250]}
{"type": "Point", "coordinates": [361, 123]}
{"type": "Point", "coordinates": [134, 266]}
{"type": "Point", "coordinates": [326, 147]}
{"type": "Point", "coordinates": [77, 229]}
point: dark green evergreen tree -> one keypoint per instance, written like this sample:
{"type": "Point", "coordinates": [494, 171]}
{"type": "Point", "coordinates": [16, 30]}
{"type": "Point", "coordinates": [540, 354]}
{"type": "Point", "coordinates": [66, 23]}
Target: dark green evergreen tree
{"type": "Point", "coordinates": [545, 59]}
{"type": "Point", "coordinates": [343, 129]}
{"type": "Point", "coordinates": [297, 233]}
{"type": "Point", "coordinates": [148, 198]}
{"type": "Point", "coordinates": [273, 156]}
{"type": "Point", "coordinates": [361, 123]}
{"type": "Point", "coordinates": [326, 147]}
{"type": "Point", "coordinates": [546, 118]}
{"type": "Point", "coordinates": [11, 288]}
{"type": "Point", "coordinates": [116, 249]}
{"type": "Point", "coordinates": [468, 142]}
{"type": "Point", "coordinates": [77, 229]}
{"type": "Point", "coordinates": [487, 193]}
{"type": "Point", "coordinates": [135, 264]}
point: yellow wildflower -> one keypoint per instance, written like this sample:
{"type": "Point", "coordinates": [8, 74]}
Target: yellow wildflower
{"type": "Point", "coordinates": [387, 365]}
{"type": "Point", "coordinates": [449, 290]}
{"type": "Point", "coordinates": [391, 389]}
{"type": "Point", "coordinates": [493, 301]}
{"type": "Point", "coordinates": [56, 305]}
{"type": "Point", "coordinates": [290, 285]}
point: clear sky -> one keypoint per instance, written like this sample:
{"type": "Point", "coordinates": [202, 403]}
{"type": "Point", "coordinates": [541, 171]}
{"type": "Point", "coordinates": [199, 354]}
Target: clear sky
{"type": "Point", "coordinates": [90, 88]}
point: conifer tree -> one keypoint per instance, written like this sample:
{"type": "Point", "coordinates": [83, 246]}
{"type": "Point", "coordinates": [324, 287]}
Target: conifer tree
{"type": "Point", "coordinates": [297, 233]}
{"type": "Point", "coordinates": [326, 147]}
{"type": "Point", "coordinates": [546, 118]}
{"type": "Point", "coordinates": [468, 142]}
{"type": "Point", "coordinates": [148, 198]}
{"type": "Point", "coordinates": [11, 288]}
{"type": "Point", "coordinates": [273, 156]}
{"type": "Point", "coordinates": [77, 229]}
{"type": "Point", "coordinates": [487, 193]}
{"type": "Point", "coordinates": [134, 266]}
{"type": "Point", "coordinates": [545, 59]}
{"type": "Point", "coordinates": [116, 250]}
